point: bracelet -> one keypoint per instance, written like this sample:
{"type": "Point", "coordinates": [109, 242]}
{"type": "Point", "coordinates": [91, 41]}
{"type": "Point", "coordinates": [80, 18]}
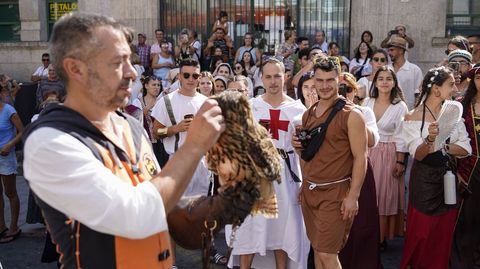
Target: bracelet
{"type": "Point", "coordinates": [162, 132]}
{"type": "Point", "coordinates": [402, 163]}
{"type": "Point", "coordinates": [427, 142]}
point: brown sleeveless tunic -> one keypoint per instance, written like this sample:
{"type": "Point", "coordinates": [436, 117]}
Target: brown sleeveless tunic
{"type": "Point", "coordinates": [326, 229]}
{"type": "Point", "coordinates": [334, 159]}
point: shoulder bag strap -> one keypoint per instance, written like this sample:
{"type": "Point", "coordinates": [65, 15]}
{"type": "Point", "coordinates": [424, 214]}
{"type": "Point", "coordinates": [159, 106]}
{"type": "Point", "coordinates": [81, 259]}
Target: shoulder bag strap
{"type": "Point", "coordinates": [318, 133]}
{"type": "Point", "coordinates": [168, 105]}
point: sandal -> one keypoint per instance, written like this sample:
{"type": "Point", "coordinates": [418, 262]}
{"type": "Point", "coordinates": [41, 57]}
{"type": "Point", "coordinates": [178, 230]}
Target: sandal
{"type": "Point", "coordinates": [9, 238]}
{"type": "Point", "coordinates": [218, 259]}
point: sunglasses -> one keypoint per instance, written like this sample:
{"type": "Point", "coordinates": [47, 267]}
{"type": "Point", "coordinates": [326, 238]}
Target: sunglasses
{"type": "Point", "coordinates": [238, 67]}
{"type": "Point", "coordinates": [448, 51]}
{"type": "Point", "coordinates": [164, 46]}
{"type": "Point", "coordinates": [45, 60]}
{"type": "Point", "coordinates": [381, 60]}
{"type": "Point", "coordinates": [187, 75]}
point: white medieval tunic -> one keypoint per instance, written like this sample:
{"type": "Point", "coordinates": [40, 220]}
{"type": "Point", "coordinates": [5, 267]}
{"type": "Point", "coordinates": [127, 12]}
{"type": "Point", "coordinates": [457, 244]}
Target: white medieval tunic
{"type": "Point", "coordinates": [258, 234]}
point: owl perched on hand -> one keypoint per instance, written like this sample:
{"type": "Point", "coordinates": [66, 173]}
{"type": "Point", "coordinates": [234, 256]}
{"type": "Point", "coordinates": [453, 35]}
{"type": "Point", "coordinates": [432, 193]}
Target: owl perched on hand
{"type": "Point", "coordinates": [245, 160]}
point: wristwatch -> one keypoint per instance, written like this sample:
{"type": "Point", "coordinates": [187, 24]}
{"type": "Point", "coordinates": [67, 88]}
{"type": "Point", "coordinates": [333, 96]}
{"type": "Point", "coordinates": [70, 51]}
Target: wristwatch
{"type": "Point", "coordinates": [162, 132]}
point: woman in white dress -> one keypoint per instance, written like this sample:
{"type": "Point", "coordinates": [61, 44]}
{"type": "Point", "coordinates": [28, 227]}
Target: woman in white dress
{"type": "Point", "coordinates": [388, 158]}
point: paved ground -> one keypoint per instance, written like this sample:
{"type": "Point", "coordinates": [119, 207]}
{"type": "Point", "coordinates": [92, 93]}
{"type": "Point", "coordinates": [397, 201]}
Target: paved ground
{"type": "Point", "coordinates": [25, 252]}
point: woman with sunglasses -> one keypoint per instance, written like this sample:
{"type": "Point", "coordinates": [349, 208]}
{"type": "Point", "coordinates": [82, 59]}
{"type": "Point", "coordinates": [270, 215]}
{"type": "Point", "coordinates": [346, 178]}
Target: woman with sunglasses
{"type": "Point", "coordinates": [206, 84]}
{"type": "Point", "coordinates": [379, 59]}
{"type": "Point", "coordinates": [466, 239]}
{"type": "Point", "coordinates": [163, 62]}
{"type": "Point", "coordinates": [306, 91]}
{"type": "Point", "coordinates": [362, 250]}
{"type": "Point", "coordinates": [151, 93]}
{"type": "Point", "coordinates": [455, 43]}
{"type": "Point", "coordinates": [249, 46]}
{"type": "Point", "coordinates": [239, 70]}
{"type": "Point", "coordinates": [388, 158]}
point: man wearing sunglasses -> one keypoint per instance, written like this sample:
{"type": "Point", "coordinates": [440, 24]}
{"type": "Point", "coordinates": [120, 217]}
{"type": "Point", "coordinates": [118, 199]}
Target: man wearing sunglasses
{"type": "Point", "coordinates": [460, 61]}
{"type": "Point", "coordinates": [173, 114]}
{"type": "Point", "coordinates": [42, 71]}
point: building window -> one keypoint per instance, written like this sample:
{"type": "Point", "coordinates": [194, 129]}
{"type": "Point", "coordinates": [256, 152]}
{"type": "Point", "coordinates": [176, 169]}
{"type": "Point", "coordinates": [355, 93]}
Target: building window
{"type": "Point", "coordinates": [463, 17]}
{"type": "Point", "coordinates": [267, 19]}
{"type": "Point", "coordinates": [9, 21]}
{"type": "Point", "coordinates": [58, 8]}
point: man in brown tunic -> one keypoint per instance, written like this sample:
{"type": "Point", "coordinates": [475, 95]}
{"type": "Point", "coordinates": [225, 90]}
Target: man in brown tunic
{"type": "Point", "coordinates": [332, 179]}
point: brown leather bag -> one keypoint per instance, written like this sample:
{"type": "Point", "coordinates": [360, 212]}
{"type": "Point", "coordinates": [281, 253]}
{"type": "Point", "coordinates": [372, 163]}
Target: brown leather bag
{"type": "Point", "coordinates": [195, 222]}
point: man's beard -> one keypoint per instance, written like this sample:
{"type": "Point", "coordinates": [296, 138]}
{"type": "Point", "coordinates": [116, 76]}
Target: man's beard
{"type": "Point", "coordinates": [95, 89]}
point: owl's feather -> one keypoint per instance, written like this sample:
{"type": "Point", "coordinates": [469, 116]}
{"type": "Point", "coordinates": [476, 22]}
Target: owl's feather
{"type": "Point", "coordinates": [245, 158]}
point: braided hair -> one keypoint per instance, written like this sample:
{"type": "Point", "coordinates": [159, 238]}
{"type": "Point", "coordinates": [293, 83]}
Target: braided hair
{"type": "Point", "coordinates": [435, 76]}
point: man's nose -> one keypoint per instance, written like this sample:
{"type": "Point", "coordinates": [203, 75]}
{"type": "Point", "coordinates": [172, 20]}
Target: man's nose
{"type": "Point", "coordinates": [129, 71]}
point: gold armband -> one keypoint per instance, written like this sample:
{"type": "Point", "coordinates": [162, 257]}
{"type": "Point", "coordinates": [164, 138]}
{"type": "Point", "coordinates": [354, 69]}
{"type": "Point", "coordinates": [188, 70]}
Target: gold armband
{"type": "Point", "coordinates": [162, 132]}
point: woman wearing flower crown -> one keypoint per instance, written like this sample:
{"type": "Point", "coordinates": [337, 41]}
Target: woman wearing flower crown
{"type": "Point", "coordinates": [430, 222]}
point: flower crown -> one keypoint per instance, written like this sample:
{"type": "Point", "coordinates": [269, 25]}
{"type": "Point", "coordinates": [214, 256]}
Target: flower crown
{"type": "Point", "coordinates": [432, 79]}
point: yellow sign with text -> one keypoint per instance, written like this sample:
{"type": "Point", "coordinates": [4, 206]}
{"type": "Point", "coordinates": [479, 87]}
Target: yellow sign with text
{"type": "Point", "coordinates": [58, 9]}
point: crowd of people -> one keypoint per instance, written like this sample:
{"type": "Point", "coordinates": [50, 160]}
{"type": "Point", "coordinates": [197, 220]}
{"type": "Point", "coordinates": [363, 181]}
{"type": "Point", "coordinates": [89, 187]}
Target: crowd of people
{"type": "Point", "coordinates": [359, 139]}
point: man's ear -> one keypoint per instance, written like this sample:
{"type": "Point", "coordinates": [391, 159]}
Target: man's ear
{"type": "Point", "coordinates": [75, 69]}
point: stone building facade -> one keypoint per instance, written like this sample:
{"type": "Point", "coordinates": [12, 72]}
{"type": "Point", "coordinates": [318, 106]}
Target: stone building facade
{"type": "Point", "coordinates": [426, 23]}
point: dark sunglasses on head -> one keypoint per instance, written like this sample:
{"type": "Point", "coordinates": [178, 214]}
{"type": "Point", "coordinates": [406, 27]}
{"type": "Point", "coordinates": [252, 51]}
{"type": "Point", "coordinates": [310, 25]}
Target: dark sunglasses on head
{"type": "Point", "coordinates": [381, 60]}
{"type": "Point", "coordinates": [187, 75]}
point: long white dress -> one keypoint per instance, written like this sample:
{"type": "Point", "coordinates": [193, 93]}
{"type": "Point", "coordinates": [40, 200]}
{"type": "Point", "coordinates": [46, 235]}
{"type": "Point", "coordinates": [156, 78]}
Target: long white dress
{"type": "Point", "coordinates": [390, 191]}
{"type": "Point", "coordinates": [260, 235]}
